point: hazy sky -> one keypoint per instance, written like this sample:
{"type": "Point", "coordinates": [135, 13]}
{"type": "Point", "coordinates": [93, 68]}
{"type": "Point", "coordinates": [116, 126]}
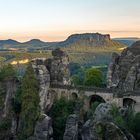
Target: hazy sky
{"type": "Point", "coordinates": [56, 19]}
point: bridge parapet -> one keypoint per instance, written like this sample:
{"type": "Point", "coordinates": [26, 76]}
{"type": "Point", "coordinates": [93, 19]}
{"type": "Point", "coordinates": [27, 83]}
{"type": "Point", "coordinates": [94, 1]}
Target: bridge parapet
{"type": "Point", "coordinates": [86, 93]}
{"type": "Point", "coordinates": [85, 88]}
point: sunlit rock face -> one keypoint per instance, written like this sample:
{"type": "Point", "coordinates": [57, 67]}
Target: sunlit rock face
{"type": "Point", "coordinates": [124, 71]}
{"type": "Point", "coordinates": [92, 37]}
{"type": "Point", "coordinates": [51, 71]}
{"type": "Point", "coordinates": [59, 72]}
{"type": "Point", "coordinates": [43, 77]}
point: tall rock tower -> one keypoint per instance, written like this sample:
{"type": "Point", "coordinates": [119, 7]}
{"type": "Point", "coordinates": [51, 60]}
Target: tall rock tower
{"type": "Point", "coordinates": [53, 71]}
{"type": "Point", "coordinates": [58, 67]}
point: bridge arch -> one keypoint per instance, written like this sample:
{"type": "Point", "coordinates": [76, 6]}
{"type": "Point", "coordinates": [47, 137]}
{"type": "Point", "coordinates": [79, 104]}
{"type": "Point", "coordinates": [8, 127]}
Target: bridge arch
{"type": "Point", "coordinates": [74, 96]}
{"type": "Point", "coordinates": [95, 98]}
{"type": "Point", "coordinates": [129, 102]}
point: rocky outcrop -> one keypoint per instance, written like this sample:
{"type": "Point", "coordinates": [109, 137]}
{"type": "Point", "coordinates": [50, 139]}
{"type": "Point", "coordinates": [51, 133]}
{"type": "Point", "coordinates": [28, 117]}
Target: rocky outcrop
{"type": "Point", "coordinates": [103, 112]}
{"type": "Point", "coordinates": [43, 129]}
{"type": "Point", "coordinates": [88, 131]}
{"type": "Point", "coordinates": [71, 130]}
{"type": "Point", "coordinates": [48, 72]}
{"type": "Point", "coordinates": [124, 71]}
{"type": "Point", "coordinates": [43, 77]}
{"type": "Point", "coordinates": [109, 131]}
{"type": "Point", "coordinates": [59, 71]}
{"type": "Point", "coordinates": [101, 126]}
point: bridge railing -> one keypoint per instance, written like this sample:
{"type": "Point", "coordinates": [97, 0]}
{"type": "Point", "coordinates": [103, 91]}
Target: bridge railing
{"type": "Point", "coordinates": [85, 88]}
{"type": "Point", "coordinates": [116, 92]}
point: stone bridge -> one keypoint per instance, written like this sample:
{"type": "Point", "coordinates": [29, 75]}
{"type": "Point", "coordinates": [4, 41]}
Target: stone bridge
{"type": "Point", "coordinates": [90, 94]}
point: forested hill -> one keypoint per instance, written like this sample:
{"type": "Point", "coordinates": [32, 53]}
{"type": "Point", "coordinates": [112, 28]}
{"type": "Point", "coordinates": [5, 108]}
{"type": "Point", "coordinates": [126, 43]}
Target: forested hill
{"type": "Point", "coordinates": [127, 41]}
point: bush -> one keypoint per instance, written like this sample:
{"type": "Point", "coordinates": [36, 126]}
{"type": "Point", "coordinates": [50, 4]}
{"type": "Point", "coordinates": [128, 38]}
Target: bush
{"type": "Point", "coordinates": [7, 72]}
{"type": "Point", "coordinates": [5, 125]}
{"type": "Point", "coordinates": [93, 77]}
{"type": "Point", "coordinates": [117, 118]}
{"type": "Point", "coordinates": [76, 80]}
{"type": "Point", "coordinates": [136, 126]}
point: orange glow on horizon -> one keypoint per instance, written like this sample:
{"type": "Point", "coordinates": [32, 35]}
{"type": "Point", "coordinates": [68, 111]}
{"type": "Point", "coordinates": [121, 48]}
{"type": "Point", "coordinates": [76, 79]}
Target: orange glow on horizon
{"type": "Point", "coordinates": [62, 35]}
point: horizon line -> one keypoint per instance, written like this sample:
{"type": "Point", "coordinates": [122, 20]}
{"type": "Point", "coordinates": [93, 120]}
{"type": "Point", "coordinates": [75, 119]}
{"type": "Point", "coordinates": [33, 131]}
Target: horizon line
{"type": "Point", "coordinates": [24, 39]}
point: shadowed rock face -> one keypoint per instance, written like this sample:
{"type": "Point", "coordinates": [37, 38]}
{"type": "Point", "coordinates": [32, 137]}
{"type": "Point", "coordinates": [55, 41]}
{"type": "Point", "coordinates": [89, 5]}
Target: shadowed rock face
{"type": "Point", "coordinates": [43, 129]}
{"type": "Point", "coordinates": [58, 65]}
{"type": "Point", "coordinates": [101, 126]}
{"type": "Point", "coordinates": [124, 70]}
{"type": "Point", "coordinates": [71, 131]}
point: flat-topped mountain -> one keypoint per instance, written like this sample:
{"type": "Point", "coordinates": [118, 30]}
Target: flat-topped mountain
{"type": "Point", "coordinates": [89, 36]}
{"type": "Point", "coordinates": [88, 40]}
{"type": "Point", "coordinates": [75, 40]}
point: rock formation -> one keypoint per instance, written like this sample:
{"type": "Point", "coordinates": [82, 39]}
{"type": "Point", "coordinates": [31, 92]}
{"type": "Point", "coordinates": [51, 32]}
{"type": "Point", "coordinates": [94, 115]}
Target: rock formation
{"type": "Point", "coordinates": [43, 77]}
{"type": "Point", "coordinates": [102, 127]}
{"type": "Point", "coordinates": [71, 131]}
{"type": "Point", "coordinates": [48, 72]}
{"type": "Point", "coordinates": [43, 129]}
{"type": "Point", "coordinates": [124, 71]}
{"type": "Point", "coordinates": [103, 112]}
{"type": "Point", "coordinates": [59, 72]}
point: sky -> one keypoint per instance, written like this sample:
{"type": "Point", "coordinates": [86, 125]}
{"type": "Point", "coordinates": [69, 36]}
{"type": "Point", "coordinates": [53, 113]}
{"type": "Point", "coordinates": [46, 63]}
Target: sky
{"type": "Point", "coordinates": [55, 20]}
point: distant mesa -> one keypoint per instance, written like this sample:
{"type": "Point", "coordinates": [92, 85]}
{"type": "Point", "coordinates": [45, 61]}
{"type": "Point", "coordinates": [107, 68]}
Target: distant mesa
{"type": "Point", "coordinates": [75, 40]}
{"type": "Point", "coordinates": [88, 40]}
{"type": "Point", "coordinates": [89, 36]}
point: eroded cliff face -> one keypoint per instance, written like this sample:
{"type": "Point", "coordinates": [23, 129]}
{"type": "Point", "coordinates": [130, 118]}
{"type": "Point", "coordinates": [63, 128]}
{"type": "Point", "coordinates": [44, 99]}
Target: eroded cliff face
{"type": "Point", "coordinates": [124, 70]}
{"type": "Point", "coordinates": [48, 72]}
{"type": "Point", "coordinates": [43, 128]}
{"type": "Point", "coordinates": [43, 77]}
{"type": "Point", "coordinates": [59, 71]}
{"type": "Point", "coordinates": [51, 71]}
{"type": "Point", "coordinates": [99, 127]}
